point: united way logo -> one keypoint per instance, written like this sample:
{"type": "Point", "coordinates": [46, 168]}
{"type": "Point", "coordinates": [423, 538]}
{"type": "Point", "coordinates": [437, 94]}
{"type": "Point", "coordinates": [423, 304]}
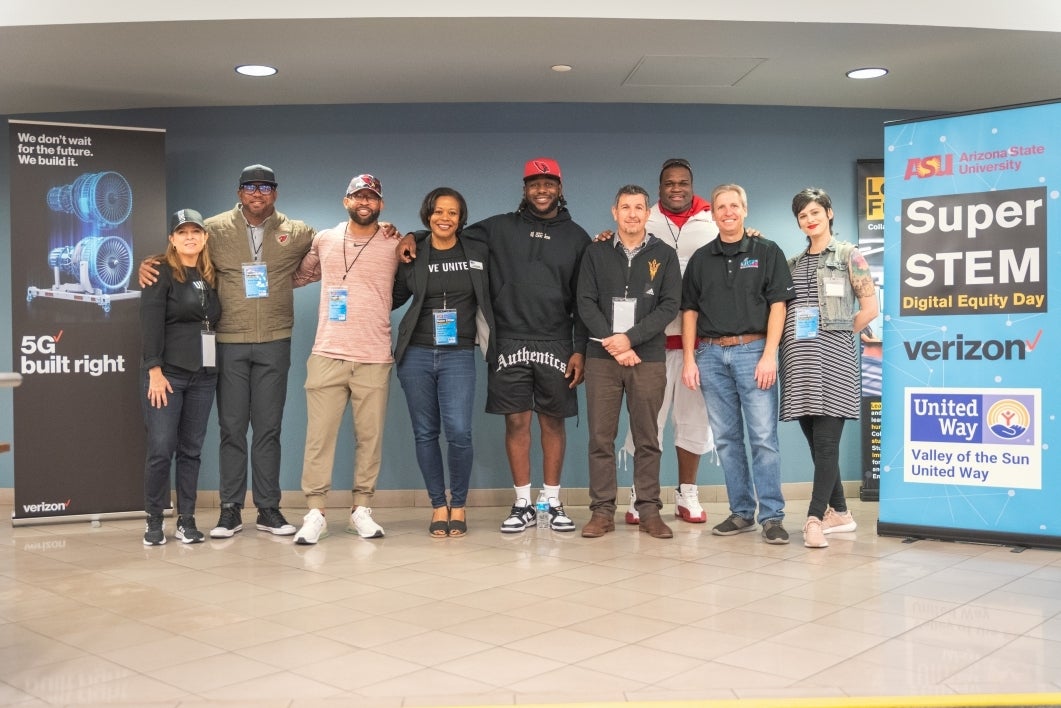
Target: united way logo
{"type": "Point", "coordinates": [1008, 419]}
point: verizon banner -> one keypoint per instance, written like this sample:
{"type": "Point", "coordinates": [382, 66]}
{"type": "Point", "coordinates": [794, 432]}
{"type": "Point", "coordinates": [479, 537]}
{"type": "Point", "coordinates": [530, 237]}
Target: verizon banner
{"type": "Point", "coordinates": [86, 203]}
{"type": "Point", "coordinates": [970, 439]}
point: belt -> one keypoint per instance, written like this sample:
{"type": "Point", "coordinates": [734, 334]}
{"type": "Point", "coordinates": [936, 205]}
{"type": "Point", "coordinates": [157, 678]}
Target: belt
{"type": "Point", "coordinates": [733, 339]}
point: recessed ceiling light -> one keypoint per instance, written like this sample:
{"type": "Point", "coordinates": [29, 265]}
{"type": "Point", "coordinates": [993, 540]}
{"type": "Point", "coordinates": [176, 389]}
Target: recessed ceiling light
{"type": "Point", "coordinates": [255, 70]}
{"type": "Point", "coordinates": [561, 68]}
{"type": "Point", "coordinates": [871, 72]}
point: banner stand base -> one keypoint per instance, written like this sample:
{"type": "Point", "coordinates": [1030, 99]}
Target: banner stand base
{"type": "Point", "coordinates": [870, 494]}
{"type": "Point", "coordinates": [992, 538]}
{"type": "Point", "coordinates": [82, 518]}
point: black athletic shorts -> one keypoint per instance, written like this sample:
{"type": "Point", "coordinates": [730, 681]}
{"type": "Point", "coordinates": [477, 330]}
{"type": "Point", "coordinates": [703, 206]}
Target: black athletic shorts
{"type": "Point", "coordinates": [528, 375]}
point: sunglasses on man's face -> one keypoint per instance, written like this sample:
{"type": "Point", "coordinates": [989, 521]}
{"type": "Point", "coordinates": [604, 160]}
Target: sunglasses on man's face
{"type": "Point", "coordinates": [250, 188]}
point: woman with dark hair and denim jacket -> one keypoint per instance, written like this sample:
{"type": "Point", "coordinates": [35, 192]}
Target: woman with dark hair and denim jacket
{"type": "Point", "coordinates": [820, 375]}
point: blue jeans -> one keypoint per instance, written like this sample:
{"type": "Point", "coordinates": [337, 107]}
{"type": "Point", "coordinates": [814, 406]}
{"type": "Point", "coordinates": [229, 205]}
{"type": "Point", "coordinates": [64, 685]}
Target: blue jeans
{"type": "Point", "coordinates": [727, 380]}
{"type": "Point", "coordinates": [176, 430]}
{"type": "Point", "coordinates": [439, 387]}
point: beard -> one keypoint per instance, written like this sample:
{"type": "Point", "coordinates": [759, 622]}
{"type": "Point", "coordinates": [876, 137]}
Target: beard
{"type": "Point", "coordinates": [549, 208]}
{"type": "Point", "coordinates": [372, 217]}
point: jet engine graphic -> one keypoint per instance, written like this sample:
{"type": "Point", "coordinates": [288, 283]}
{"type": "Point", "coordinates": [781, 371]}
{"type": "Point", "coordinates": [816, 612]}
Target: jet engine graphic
{"type": "Point", "coordinates": [97, 263]}
{"type": "Point", "coordinates": [98, 267]}
{"type": "Point", "coordinates": [101, 198]}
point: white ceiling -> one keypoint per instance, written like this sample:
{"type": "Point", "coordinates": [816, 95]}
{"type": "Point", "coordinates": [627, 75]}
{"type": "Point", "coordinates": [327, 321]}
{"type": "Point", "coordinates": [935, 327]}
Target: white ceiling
{"type": "Point", "coordinates": [59, 55]}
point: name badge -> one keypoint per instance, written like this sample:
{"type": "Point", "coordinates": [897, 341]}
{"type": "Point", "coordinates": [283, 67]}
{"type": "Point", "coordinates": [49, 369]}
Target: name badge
{"type": "Point", "coordinates": [209, 342]}
{"type": "Point", "coordinates": [806, 322]}
{"type": "Point", "coordinates": [255, 280]}
{"type": "Point", "coordinates": [445, 327]}
{"type": "Point", "coordinates": [834, 286]}
{"type": "Point", "coordinates": [336, 304]}
{"type": "Point", "coordinates": [623, 311]}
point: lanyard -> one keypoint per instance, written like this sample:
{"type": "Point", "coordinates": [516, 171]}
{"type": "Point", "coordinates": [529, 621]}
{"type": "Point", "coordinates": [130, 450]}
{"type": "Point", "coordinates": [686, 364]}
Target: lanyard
{"type": "Point", "coordinates": [351, 265]}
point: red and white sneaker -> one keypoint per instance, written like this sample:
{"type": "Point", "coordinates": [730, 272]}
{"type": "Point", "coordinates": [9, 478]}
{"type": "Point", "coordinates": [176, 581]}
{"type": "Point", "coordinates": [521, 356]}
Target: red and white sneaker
{"type": "Point", "coordinates": [632, 517]}
{"type": "Point", "coordinates": [687, 504]}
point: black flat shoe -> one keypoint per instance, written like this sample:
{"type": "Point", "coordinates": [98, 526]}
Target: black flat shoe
{"type": "Point", "coordinates": [439, 529]}
{"type": "Point", "coordinates": [457, 527]}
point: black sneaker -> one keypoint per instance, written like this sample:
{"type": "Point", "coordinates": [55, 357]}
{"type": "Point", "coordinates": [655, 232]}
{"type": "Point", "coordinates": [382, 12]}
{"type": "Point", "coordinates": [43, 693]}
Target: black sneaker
{"type": "Point", "coordinates": [155, 533]}
{"type": "Point", "coordinates": [230, 522]}
{"type": "Point", "coordinates": [519, 518]}
{"type": "Point", "coordinates": [270, 519]}
{"type": "Point", "coordinates": [733, 525]}
{"type": "Point", "coordinates": [186, 531]}
{"type": "Point", "coordinates": [774, 532]}
{"type": "Point", "coordinates": [559, 520]}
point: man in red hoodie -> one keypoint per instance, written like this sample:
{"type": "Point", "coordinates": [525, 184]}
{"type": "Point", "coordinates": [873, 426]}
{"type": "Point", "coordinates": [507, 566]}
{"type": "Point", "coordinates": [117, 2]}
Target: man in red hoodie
{"type": "Point", "coordinates": [683, 221]}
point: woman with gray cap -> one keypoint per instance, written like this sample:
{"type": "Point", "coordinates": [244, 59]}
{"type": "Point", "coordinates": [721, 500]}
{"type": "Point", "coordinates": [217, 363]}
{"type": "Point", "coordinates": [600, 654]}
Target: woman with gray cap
{"type": "Point", "coordinates": [178, 315]}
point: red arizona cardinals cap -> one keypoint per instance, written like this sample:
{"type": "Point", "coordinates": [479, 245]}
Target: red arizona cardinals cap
{"type": "Point", "coordinates": [542, 167]}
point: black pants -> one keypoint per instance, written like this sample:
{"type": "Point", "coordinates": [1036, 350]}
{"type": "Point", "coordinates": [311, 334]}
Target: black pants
{"type": "Point", "coordinates": [251, 391]}
{"type": "Point", "coordinates": [823, 435]}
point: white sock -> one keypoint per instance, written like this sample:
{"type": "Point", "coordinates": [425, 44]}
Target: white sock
{"type": "Point", "coordinates": [552, 494]}
{"type": "Point", "coordinates": [522, 495]}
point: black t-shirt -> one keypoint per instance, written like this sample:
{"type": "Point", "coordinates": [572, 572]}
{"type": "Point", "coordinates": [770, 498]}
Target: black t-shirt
{"type": "Point", "coordinates": [449, 287]}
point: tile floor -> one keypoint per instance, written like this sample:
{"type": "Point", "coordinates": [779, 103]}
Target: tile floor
{"type": "Point", "coordinates": [91, 616]}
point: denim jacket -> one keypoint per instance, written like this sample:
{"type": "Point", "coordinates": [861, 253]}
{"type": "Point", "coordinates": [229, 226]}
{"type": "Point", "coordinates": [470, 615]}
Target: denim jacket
{"type": "Point", "coordinates": [837, 312]}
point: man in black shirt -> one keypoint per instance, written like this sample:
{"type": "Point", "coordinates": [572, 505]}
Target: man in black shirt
{"type": "Point", "coordinates": [733, 314]}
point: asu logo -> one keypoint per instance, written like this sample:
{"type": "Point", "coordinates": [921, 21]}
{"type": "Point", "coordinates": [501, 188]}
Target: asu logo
{"type": "Point", "coordinates": [931, 166]}
{"type": "Point", "coordinates": [653, 268]}
{"type": "Point", "coordinates": [282, 238]}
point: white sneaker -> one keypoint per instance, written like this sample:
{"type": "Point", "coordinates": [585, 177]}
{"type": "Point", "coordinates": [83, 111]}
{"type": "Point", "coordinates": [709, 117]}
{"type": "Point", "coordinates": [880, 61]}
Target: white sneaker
{"type": "Point", "coordinates": [813, 536]}
{"type": "Point", "coordinates": [559, 520]}
{"type": "Point", "coordinates": [835, 522]}
{"type": "Point", "coordinates": [362, 524]}
{"type": "Point", "coordinates": [314, 528]}
{"type": "Point", "coordinates": [687, 505]}
{"type": "Point", "coordinates": [519, 517]}
{"type": "Point", "coordinates": [632, 517]}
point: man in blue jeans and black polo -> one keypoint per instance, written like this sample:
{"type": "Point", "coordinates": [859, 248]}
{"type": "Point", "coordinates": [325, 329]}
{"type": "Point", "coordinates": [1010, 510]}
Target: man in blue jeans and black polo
{"type": "Point", "coordinates": [733, 313]}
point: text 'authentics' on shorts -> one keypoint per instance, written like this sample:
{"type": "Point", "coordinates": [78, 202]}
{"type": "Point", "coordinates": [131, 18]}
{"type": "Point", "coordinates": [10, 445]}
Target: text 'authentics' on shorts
{"type": "Point", "coordinates": [528, 375]}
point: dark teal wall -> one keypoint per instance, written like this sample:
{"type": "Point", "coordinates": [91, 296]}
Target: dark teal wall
{"type": "Point", "coordinates": [480, 149]}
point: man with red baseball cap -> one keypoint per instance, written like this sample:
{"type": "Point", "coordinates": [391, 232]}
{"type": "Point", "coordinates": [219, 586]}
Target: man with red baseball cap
{"type": "Point", "coordinates": [538, 361]}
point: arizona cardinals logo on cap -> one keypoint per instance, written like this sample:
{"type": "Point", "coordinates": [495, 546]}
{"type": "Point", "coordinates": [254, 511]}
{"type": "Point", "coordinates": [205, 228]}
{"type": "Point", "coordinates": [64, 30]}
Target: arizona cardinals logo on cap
{"type": "Point", "coordinates": [539, 166]}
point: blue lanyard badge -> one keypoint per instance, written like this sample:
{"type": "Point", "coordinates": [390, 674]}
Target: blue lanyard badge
{"type": "Point", "coordinates": [445, 327]}
{"type": "Point", "coordinates": [336, 304]}
{"type": "Point", "coordinates": [806, 322]}
{"type": "Point", "coordinates": [255, 280]}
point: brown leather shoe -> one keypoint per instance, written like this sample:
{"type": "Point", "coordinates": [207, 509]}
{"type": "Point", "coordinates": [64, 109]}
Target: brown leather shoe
{"type": "Point", "coordinates": [597, 526]}
{"type": "Point", "coordinates": [655, 527]}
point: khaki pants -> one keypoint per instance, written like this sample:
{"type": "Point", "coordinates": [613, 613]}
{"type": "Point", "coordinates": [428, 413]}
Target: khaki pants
{"type": "Point", "coordinates": [330, 385]}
